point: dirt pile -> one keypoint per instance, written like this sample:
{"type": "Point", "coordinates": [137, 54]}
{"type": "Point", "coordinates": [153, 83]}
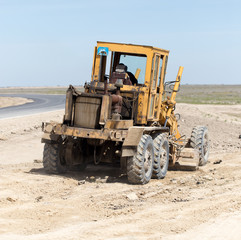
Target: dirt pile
{"type": "Point", "coordinates": [223, 122]}
{"type": "Point", "coordinates": [100, 204]}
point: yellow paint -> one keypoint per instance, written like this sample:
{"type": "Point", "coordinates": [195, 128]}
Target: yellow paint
{"type": "Point", "coordinates": [151, 106]}
{"type": "Point", "coordinates": [151, 109]}
{"type": "Point", "coordinates": [138, 70]}
{"type": "Point", "coordinates": [146, 91]}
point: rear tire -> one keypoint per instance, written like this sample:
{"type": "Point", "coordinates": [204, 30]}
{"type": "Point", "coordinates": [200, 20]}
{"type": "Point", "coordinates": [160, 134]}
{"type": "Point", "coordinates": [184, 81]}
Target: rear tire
{"type": "Point", "coordinates": [199, 140]}
{"type": "Point", "coordinates": [53, 162]}
{"type": "Point", "coordinates": [161, 156]}
{"type": "Point", "coordinates": [140, 166]}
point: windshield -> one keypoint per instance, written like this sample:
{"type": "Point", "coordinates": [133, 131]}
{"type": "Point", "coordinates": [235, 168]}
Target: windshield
{"type": "Point", "coordinates": [134, 63]}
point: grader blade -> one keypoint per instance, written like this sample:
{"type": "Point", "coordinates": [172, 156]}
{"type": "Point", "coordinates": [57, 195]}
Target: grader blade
{"type": "Point", "coordinates": [188, 160]}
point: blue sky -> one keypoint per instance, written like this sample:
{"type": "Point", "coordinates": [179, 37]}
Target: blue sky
{"type": "Point", "coordinates": [51, 42]}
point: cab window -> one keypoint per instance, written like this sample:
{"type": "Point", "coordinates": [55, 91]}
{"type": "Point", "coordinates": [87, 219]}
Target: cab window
{"type": "Point", "coordinates": [136, 64]}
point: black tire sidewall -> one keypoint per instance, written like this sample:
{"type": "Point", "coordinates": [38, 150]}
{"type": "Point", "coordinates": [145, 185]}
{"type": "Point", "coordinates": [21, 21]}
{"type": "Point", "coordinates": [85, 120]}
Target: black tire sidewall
{"type": "Point", "coordinates": [195, 138]}
{"type": "Point", "coordinates": [160, 141]}
{"type": "Point", "coordinates": [135, 165]}
{"type": "Point", "coordinates": [164, 170]}
{"type": "Point", "coordinates": [52, 159]}
{"type": "Point", "coordinates": [148, 143]}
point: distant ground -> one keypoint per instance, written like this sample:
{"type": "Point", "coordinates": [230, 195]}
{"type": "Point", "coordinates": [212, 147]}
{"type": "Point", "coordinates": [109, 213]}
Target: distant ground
{"type": "Point", "coordinates": [210, 94]}
{"type": "Point", "coordinates": [193, 94]}
{"type": "Point", "coordinates": [33, 90]}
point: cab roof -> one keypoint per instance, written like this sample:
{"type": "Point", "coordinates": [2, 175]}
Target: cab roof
{"type": "Point", "coordinates": [132, 48]}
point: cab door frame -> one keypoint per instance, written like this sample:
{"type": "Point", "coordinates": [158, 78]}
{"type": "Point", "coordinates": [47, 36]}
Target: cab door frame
{"type": "Point", "coordinates": [153, 87]}
{"type": "Point", "coordinates": [161, 82]}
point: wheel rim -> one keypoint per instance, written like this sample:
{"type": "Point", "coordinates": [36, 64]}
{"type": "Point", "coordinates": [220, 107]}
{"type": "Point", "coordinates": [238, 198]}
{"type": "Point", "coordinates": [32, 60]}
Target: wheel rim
{"type": "Point", "coordinates": [148, 160]}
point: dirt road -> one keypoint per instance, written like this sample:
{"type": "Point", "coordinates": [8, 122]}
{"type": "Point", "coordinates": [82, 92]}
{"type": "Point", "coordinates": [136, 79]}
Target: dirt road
{"type": "Point", "coordinates": [100, 204]}
{"type": "Point", "coordinates": [13, 101]}
{"type": "Point", "coordinates": [36, 103]}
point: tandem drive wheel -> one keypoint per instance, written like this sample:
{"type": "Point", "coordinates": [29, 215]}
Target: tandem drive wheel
{"type": "Point", "coordinates": [140, 166]}
{"type": "Point", "coordinates": [161, 156]}
{"type": "Point", "coordinates": [52, 160]}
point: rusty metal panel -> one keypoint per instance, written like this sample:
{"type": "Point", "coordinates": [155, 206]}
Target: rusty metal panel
{"type": "Point", "coordinates": [142, 108]}
{"type": "Point", "coordinates": [68, 105]}
{"type": "Point", "coordinates": [128, 152]}
{"type": "Point", "coordinates": [134, 136]}
{"type": "Point", "coordinates": [80, 132]}
{"type": "Point", "coordinates": [87, 112]}
{"type": "Point", "coordinates": [105, 134]}
{"type": "Point", "coordinates": [122, 124]}
{"type": "Point", "coordinates": [105, 109]}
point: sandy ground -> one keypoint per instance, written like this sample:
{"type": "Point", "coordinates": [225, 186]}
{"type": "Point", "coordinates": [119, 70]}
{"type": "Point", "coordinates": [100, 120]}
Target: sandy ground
{"type": "Point", "coordinates": [13, 101]}
{"type": "Point", "coordinates": [205, 204]}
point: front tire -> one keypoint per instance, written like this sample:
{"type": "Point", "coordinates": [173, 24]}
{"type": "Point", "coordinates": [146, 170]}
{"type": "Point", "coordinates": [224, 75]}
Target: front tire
{"type": "Point", "coordinates": [53, 162]}
{"type": "Point", "coordinates": [140, 166]}
{"type": "Point", "coordinates": [200, 141]}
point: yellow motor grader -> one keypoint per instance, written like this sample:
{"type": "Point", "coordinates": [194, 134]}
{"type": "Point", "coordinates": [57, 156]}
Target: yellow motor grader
{"type": "Point", "coordinates": [124, 117]}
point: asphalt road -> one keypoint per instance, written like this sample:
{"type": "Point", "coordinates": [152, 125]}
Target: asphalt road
{"type": "Point", "coordinates": [42, 103]}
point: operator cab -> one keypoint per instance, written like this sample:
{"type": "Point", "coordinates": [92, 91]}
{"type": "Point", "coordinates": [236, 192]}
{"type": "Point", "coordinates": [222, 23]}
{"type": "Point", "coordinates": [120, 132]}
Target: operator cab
{"type": "Point", "coordinates": [134, 72]}
{"type": "Point", "coordinates": [129, 67]}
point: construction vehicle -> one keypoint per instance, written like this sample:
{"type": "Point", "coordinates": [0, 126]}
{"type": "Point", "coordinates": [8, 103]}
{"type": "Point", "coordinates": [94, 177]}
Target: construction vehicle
{"type": "Point", "coordinates": [124, 117]}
